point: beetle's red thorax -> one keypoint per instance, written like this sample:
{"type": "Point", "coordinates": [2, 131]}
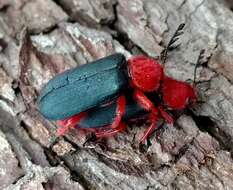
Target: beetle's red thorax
{"type": "Point", "coordinates": [145, 73]}
{"type": "Point", "coordinates": [177, 94]}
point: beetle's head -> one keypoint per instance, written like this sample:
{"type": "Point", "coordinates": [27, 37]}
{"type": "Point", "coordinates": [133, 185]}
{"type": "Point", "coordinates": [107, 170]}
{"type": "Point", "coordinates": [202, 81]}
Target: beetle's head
{"type": "Point", "coordinates": [177, 94]}
{"type": "Point", "coordinates": [146, 73]}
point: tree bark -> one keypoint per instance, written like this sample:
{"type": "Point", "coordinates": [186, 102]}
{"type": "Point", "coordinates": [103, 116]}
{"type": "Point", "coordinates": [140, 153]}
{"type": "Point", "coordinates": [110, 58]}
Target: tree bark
{"type": "Point", "coordinates": [41, 38]}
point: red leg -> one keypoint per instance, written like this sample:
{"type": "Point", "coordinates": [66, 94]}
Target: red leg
{"type": "Point", "coordinates": [108, 131]}
{"type": "Point", "coordinates": [68, 123]}
{"type": "Point", "coordinates": [153, 119]}
{"type": "Point", "coordinates": [165, 115]}
{"type": "Point", "coordinates": [145, 103]}
{"type": "Point", "coordinates": [72, 121]}
{"type": "Point", "coordinates": [120, 110]}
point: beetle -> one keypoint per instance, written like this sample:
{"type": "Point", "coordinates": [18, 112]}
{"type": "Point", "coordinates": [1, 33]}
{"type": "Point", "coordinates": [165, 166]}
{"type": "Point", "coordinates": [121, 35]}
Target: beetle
{"type": "Point", "coordinates": [99, 88]}
{"type": "Point", "coordinates": [97, 83]}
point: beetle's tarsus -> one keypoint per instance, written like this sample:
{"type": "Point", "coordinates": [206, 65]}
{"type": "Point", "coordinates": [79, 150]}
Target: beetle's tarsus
{"type": "Point", "coordinates": [150, 129]}
{"type": "Point", "coordinates": [91, 137]}
{"type": "Point", "coordinates": [168, 119]}
{"type": "Point", "coordinates": [62, 130]}
{"type": "Point", "coordinates": [68, 123]}
{"type": "Point", "coordinates": [143, 147]}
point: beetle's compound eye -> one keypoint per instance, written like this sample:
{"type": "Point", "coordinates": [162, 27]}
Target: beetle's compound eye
{"type": "Point", "coordinates": [192, 95]}
{"type": "Point", "coordinates": [146, 73]}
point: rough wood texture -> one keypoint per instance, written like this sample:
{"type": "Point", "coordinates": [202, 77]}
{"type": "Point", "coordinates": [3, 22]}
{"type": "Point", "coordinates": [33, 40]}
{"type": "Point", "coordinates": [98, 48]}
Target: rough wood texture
{"type": "Point", "coordinates": [43, 37]}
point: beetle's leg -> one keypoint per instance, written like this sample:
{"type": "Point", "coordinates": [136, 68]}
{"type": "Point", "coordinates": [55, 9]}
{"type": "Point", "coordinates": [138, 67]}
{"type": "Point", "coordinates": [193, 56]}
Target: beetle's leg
{"type": "Point", "coordinates": [120, 110]}
{"type": "Point", "coordinates": [145, 103]}
{"type": "Point", "coordinates": [110, 131]}
{"type": "Point", "coordinates": [165, 115]}
{"type": "Point", "coordinates": [153, 120]}
{"type": "Point", "coordinates": [68, 123]}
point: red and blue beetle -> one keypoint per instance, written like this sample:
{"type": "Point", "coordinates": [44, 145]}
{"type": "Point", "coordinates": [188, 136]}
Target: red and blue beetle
{"type": "Point", "coordinates": [104, 94]}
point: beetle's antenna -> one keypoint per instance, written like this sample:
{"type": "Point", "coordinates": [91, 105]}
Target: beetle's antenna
{"type": "Point", "coordinates": [170, 45]}
{"type": "Point", "coordinates": [198, 63]}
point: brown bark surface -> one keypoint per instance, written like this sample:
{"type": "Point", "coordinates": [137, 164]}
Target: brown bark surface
{"type": "Point", "coordinates": [43, 37]}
